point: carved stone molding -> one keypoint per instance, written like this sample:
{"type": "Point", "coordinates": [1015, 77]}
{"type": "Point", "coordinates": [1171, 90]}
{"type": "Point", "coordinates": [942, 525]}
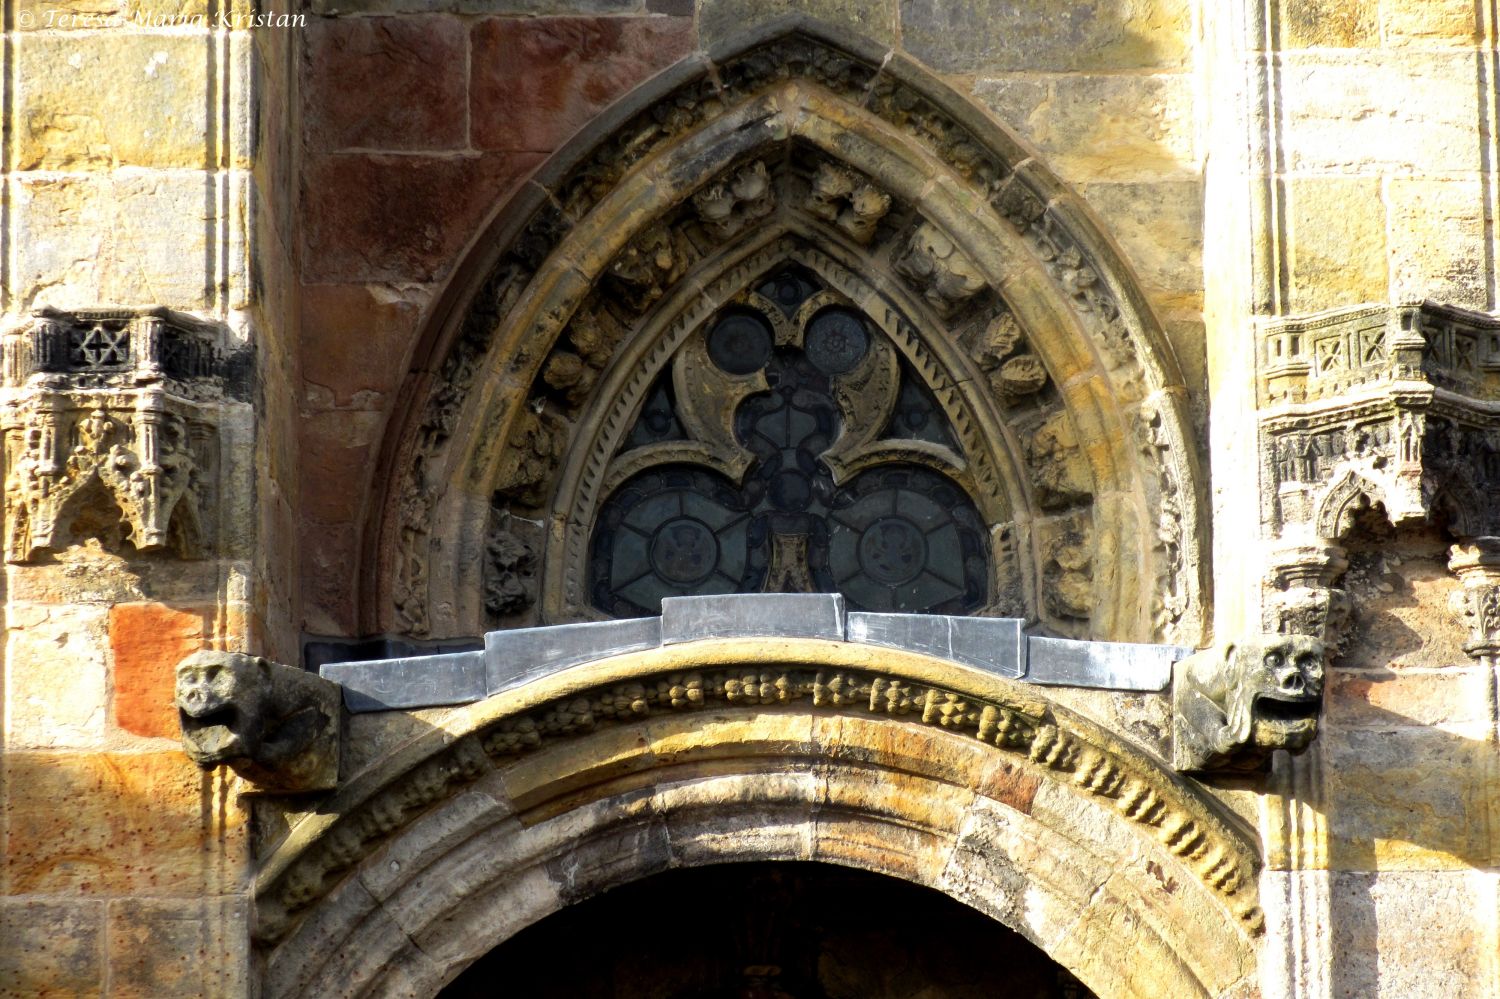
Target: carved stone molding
{"type": "Point", "coordinates": [830, 148]}
{"type": "Point", "coordinates": [125, 400]}
{"type": "Point", "coordinates": [1389, 406]}
{"type": "Point", "coordinates": [1476, 563]}
{"type": "Point", "coordinates": [1234, 705]}
{"type": "Point", "coordinates": [276, 726]}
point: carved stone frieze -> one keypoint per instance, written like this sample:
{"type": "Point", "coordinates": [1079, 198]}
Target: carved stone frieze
{"type": "Point", "coordinates": [276, 726]}
{"type": "Point", "coordinates": [1395, 407]}
{"type": "Point", "coordinates": [1232, 706]}
{"type": "Point", "coordinates": [119, 400]}
{"type": "Point", "coordinates": [937, 268]}
{"type": "Point", "coordinates": [847, 199]}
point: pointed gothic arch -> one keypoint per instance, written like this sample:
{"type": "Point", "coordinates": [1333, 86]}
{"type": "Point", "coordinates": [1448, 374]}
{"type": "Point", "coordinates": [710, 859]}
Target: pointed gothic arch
{"type": "Point", "coordinates": [797, 145]}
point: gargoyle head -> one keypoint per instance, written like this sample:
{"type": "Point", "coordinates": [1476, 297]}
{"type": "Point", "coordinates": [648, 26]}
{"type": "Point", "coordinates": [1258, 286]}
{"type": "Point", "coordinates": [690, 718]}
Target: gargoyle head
{"type": "Point", "coordinates": [1275, 692]}
{"type": "Point", "coordinates": [221, 701]}
{"type": "Point", "coordinates": [1235, 704]}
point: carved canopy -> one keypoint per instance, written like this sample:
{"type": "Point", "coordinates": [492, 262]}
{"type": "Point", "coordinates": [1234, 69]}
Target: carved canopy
{"type": "Point", "coordinates": [976, 411]}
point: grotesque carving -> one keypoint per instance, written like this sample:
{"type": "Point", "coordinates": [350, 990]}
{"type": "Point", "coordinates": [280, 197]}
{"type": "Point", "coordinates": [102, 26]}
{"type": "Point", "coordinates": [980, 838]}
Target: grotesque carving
{"type": "Point", "coordinates": [646, 268]}
{"type": "Point", "coordinates": [509, 582]}
{"type": "Point", "coordinates": [937, 268]}
{"type": "Point", "coordinates": [1235, 704]}
{"type": "Point", "coordinates": [843, 197]}
{"type": "Point", "coordinates": [734, 201]}
{"type": "Point", "coordinates": [276, 726]}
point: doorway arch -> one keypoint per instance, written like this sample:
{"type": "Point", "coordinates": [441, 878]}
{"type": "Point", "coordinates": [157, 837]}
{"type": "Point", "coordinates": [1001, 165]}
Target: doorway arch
{"type": "Point", "coordinates": [513, 808]}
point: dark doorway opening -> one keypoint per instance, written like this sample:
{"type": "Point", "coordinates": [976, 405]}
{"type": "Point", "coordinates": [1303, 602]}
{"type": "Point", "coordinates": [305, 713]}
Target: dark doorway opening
{"type": "Point", "coordinates": [768, 931]}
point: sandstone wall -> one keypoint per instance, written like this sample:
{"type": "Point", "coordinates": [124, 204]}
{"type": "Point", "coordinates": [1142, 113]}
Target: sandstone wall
{"type": "Point", "coordinates": [312, 188]}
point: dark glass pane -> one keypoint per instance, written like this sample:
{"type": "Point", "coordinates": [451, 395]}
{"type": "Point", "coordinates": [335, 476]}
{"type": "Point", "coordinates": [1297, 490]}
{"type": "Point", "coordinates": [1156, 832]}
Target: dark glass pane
{"type": "Point", "coordinates": [740, 343]}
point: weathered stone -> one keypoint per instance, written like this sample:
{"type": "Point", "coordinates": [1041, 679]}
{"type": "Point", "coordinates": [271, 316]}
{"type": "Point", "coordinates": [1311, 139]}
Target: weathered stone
{"type": "Point", "coordinates": [56, 676]}
{"type": "Point", "coordinates": [1160, 226]}
{"type": "Point", "coordinates": [275, 725]}
{"type": "Point", "coordinates": [1377, 954]}
{"type": "Point", "coordinates": [385, 83]}
{"type": "Point", "coordinates": [1115, 127]}
{"type": "Point", "coordinates": [354, 339]}
{"type": "Point", "coordinates": [1430, 22]}
{"type": "Point", "coordinates": [1387, 699]}
{"type": "Point", "coordinates": [179, 947]}
{"type": "Point", "coordinates": [51, 947]}
{"type": "Point", "coordinates": [1357, 111]}
{"type": "Point", "coordinates": [156, 115]}
{"type": "Point", "coordinates": [536, 82]}
{"type": "Point", "coordinates": [1438, 241]}
{"type": "Point", "coordinates": [1308, 24]}
{"type": "Point", "coordinates": [1337, 241]}
{"type": "Point", "coordinates": [139, 823]}
{"type": "Point", "coordinates": [398, 218]}
{"type": "Point", "coordinates": [996, 36]}
{"type": "Point", "coordinates": [719, 20]}
{"type": "Point", "coordinates": [148, 640]}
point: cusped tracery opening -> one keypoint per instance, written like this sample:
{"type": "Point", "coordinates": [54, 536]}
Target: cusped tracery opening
{"type": "Point", "coordinates": [846, 462]}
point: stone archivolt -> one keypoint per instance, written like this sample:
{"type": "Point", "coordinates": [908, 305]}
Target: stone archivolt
{"type": "Point", "coordinates": [985, 275]}
{"type": "Point", "coordinates": [1395, 406]}
{"type": "Point", "coordinates": [125, 400]}
{"type": "Point", "coordinates": [762, 677]}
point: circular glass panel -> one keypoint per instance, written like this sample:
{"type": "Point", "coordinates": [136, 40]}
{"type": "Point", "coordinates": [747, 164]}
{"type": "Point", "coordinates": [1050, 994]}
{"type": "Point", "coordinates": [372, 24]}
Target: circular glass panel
{"type": "Point", "coordinates": [684, 551]}
{"type": "Point", "coordinates": [740, 343]}
{"type": "Point", "coordinates": [836, 341]}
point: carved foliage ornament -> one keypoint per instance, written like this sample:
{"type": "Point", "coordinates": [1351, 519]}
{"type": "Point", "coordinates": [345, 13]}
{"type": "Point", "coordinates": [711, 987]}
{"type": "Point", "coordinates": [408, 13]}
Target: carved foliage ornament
{"type": "Point", "coordinates": [125, 401]}
{"type": "Point", "coordinates": [841, 197]}
{"type": "Point", "coordinates": [276, 726]}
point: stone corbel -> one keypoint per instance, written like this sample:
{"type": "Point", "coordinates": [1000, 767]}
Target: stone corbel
{"type": "Point", "coordinates": [1235, 704]}
{"type": "Point", "coordinates": [125, 400]}
{"type": "Point", "coordinates": [1476, 563]}
{"type": "Point", "coordinates": [1389, 406]}
{"type": "Point", "coordinates": [276, 726]}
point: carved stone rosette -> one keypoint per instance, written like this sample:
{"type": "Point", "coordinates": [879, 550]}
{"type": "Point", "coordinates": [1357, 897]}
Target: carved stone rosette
{"type": "Point", "coordinates": [1389, 406]}
{"type": "Point", "coordinates": [122, 400]}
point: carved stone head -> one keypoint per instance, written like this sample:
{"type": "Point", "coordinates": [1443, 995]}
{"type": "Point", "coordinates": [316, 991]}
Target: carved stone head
{"type": "Point", "coordinates": [1233, 706]}
{"type": "Point", "coordinates": [221, 698]}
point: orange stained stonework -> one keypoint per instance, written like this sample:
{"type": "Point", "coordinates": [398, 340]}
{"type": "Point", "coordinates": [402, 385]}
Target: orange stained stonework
{"type": "Point", "coordinates": [148, 640]}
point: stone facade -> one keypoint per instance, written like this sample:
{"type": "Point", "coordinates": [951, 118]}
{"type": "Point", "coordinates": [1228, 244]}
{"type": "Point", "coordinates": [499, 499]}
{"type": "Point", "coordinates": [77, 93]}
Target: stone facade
{"type": "Point", "coordinates": [337, 332]}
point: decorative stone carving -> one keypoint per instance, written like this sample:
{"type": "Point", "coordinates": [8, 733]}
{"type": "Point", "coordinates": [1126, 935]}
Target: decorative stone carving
{"type": "Point", "coordinates": [1388, 406]}
{"type": "Point", "coordinates": [937, 268]}
{"type": "Point", "coordinates": [510, 569]}
{"type": "Point", "coordinates": [276, 726]}
{"type": "Point", "coordinates": [1476, 563]}
{"type": "Point", "coordinates": [1232, 706]}
{"type": "Point", "coordinates": [845, 198]}
{"type": "Point", "coordinates": [646, 267]}
{"type": "Point", "coordinates": [127, 401]}
{"type": "Point", "coordinates": [734, 201]}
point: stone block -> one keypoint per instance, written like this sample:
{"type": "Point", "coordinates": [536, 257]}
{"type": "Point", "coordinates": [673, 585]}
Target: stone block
{"type": "Point", "coordinates": [1373, 111]}
{"type": "Point", "coordinates": [373, 217]}
{"type": "Point", "coordinates": [1116, 127]}
{"type": "Point", "coordinates": [698, 736]}
{"type": "Point", "coordinates": [988, 36]}
{"type": "Point", "coordinates": [1438, 241]}
{"type": "Point", "coordinates": [156, 115]}
{"type": "Point", "coordinates": [1160, 227]}
{"type": "Point", "coordinates": [56, 676]}
{"type": "Point", "coordinates": [416, 682]}
{"type": "Point", "coordinates": [537, 81]}
{"type": "Point", "coordinates": [138, 823]}
{"type": "Point", "coordinates": [1408, 799]}
{"type": "Point", "coordinates": [1386, 939]}
{"type": "Point", "coordinates": [385, 83]}
{"type": "Point", "coordinates": [515, 657]}
{"type": "Point", "coordinates": [354, 341]}
{"type": "Point", "coordinates": [992, 644]}
{"type": "Point", "coordinates": [1442, 699]}
{"type": "Point", "coordinates": [741, 817]}
{"type": "Point", "coordinates": [1430, 22]}
{"type": "Point", "coordinates": [329, 554]}
{"type": "Point", "coordinates": [719, 20]}
{"type": "Point", "coordinates": [338, 447]}
{"type": "Point", "coordinates": [169, 948]}
{"type": "Point", "coordinates": [750, 615]}
{"type": "Point", "coordinates": [1330, 24]}
{"type": "Point", "coordinates": [886, 743]}
{"type": "Point", "coordinates": [128, 237]}
{"type": "Point", "coordinates": [1113, 665]}
{"type": "Point", "coordinates": [148, 641]}
{"type": "Point", "coordinates": [51, 948]}
{"type": "Point", "coordinates": [1335, 241]}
